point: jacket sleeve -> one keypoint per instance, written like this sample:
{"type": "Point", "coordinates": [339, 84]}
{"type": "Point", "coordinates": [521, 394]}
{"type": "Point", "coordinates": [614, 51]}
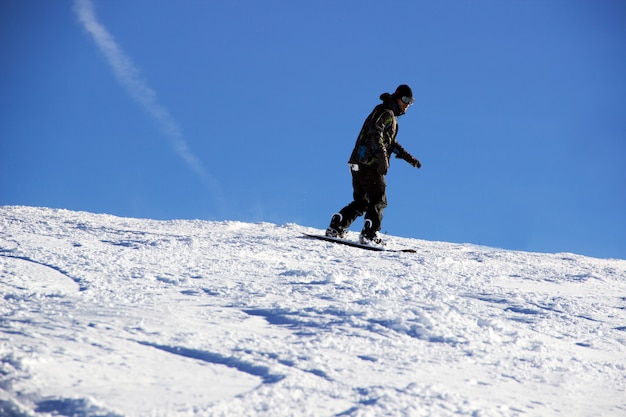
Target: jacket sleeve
{"type": "Point", "coordinates": [401, 153]}
{"type": "Point", "coordinates": [379, 126]}
{"type": "Point", "coordinates": [370, 146]}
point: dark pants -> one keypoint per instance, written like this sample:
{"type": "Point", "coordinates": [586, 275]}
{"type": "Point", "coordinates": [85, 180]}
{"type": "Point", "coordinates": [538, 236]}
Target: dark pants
{"type": "Point", "coordinates": [369, 198]}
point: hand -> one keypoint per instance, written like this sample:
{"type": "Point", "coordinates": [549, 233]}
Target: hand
{"type": "Point", "coordinates": [383, 167]}
{"type": "Point", "coordinates": [411, 160]}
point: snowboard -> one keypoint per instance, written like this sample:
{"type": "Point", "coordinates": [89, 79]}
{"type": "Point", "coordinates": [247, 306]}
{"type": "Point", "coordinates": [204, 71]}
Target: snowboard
{"type": "Point", "coordinates": [357, 244]}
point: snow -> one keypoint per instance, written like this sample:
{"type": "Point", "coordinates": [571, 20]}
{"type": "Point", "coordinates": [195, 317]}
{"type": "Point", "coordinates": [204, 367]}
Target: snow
{"type": "Point", "coordinates": [109, 316]}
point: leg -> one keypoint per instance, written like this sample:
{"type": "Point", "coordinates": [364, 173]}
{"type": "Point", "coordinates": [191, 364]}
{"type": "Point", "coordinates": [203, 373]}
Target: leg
{"type": "Point", "coordinates": [341, 221]}
{"type": "Point", "coordinates": [376, 204]}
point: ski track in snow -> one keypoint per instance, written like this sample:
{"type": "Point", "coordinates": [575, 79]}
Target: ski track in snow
{"type": "Point", "coordinates": [108, 316]}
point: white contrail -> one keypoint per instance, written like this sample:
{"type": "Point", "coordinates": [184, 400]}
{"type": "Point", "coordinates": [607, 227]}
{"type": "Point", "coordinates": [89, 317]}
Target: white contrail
{"type": "Point", "coordinates": [128, 75]}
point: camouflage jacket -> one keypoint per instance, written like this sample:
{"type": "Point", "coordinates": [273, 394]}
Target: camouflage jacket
{"type": "Point", "coordinates": [377, 139]}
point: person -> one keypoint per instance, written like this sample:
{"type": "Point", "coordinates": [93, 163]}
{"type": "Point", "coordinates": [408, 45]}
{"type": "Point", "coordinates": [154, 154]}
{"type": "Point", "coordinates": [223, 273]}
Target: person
{"type": "Point", "coordinates": [369, 163]}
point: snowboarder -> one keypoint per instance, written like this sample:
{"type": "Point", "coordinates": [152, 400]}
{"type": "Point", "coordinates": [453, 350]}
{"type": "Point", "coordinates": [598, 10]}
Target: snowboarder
{"type": "Point", "coordinates": [369, 163]}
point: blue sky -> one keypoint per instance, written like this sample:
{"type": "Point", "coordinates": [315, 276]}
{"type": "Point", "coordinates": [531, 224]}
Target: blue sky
{"type": "Point", "coordinates": [249, 110]}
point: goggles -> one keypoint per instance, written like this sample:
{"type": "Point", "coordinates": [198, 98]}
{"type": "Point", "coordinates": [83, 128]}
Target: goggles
{"type": "Point", "coordinates": [407, 100]}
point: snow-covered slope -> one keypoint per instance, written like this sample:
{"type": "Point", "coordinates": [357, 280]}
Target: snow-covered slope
{"type": "Point", "coordinates": [109, 316]}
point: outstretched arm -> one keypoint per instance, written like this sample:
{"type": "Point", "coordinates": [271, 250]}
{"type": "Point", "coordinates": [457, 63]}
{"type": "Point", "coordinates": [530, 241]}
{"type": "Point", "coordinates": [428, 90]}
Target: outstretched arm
{"type": "Point", "coordinates": [401, 153]}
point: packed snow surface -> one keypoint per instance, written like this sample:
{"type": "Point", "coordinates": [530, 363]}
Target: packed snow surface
{"type": "Point", "coordinates": [108, 316]}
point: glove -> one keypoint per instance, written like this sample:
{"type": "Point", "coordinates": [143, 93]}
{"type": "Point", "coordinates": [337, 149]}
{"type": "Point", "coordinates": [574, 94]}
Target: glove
{"type": "Point", "coordinates": [414, 162]}
{"type": "Point", "coordinates": [382, 162]}
{"type": "Point", "coordinates": [410, 159]}
{"type": "Point", "coordinates": [383, 166]}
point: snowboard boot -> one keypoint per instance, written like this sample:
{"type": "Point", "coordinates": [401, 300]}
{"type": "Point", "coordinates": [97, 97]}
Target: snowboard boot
{"type": "Point", "coordinates": [374, 239]}
{"type": "Point", "coordinates": [369, 236]}
{"type": "Point", "coordinates": [335, 229]}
